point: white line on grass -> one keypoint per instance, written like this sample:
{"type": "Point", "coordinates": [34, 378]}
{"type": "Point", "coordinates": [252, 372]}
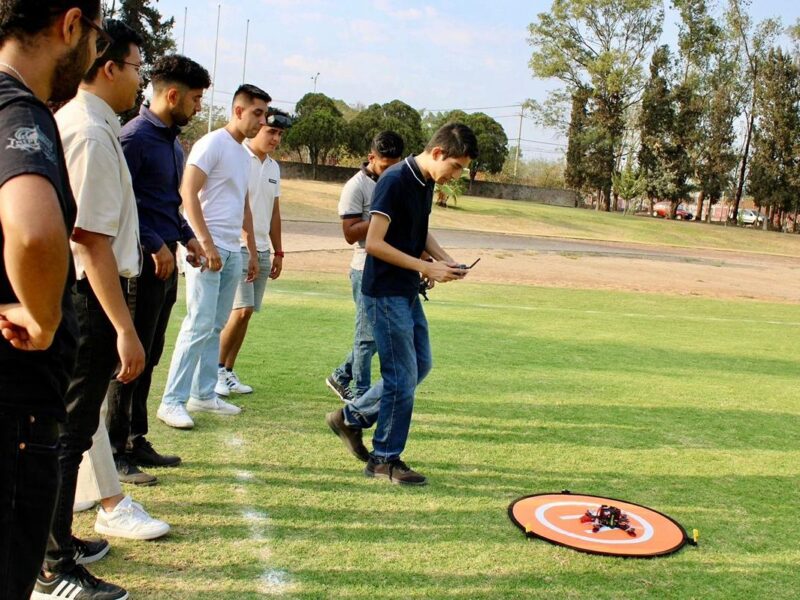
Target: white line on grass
{"type": "Point", "coordinates": [650, 316]}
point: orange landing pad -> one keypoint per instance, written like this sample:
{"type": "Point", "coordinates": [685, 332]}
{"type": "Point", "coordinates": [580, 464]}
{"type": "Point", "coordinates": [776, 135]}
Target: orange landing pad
{"type": "Point", "coordinates": [556, 518]}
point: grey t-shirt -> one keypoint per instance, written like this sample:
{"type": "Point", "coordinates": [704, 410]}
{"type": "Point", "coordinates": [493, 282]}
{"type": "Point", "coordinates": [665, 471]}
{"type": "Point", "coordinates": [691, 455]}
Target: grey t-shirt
{"type": "Point", "coordinates": [355, 201]}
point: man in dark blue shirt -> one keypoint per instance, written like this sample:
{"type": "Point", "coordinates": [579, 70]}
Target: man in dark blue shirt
{"type": "Point", "coordinates": [155, 159]}
{"type": "Point", "coordinates": [396, 238]}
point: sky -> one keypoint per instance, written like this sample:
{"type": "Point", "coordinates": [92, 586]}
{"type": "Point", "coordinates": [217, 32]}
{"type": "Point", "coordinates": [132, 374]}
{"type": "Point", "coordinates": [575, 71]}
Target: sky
{"type": "Point", "coordinates": [440, 55]}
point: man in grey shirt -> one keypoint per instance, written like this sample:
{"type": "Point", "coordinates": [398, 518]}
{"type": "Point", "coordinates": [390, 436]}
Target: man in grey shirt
{"type": "Point", "coordinates": [354, 204]}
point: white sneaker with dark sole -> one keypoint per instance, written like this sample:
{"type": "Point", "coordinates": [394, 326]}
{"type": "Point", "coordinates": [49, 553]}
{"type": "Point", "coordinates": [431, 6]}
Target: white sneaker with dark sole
{"type": "Point", "coordinates": [216, 406]}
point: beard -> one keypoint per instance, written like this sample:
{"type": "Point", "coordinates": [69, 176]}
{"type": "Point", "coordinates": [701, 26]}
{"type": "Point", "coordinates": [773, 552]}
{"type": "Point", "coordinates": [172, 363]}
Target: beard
{"type": "Point", "coordinates": [180, 118]}
{"type": "Point", "coordinates": [69, 72]}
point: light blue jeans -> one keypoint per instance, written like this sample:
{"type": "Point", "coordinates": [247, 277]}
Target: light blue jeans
{"type": "Point", "coordinates": [209, 298]}
{"type": "Point", "coordinates": [357, 367]}
{"type": "Point", "coordinates": [401, 335]}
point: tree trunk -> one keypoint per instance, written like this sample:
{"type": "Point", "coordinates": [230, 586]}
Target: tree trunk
{"type": "Point", "coordinates": [745, 154]}
{"type": "Point", "coordinates": [701, 199]}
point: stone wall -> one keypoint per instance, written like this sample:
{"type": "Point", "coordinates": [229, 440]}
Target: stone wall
{"type": "Point", "coordinates": [482, 189]}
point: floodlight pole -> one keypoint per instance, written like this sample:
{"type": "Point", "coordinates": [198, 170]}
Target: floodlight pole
{"type": "Point", "coordinates": [185, 19]}
{"type": "Point", "coordinates": [214, 75]}
{"type": "Point", "coordinates": [519, 138]}
{"type": "Point", "coordinates": [246, 38]}
{"type": "Point", "coordinates": [315, 82]}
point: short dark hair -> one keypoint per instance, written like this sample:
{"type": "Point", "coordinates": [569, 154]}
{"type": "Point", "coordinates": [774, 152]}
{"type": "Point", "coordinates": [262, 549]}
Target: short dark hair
{"type": "Point", "coordinates": [23, 19]}
{"type": "Point", "coordinates": [251, 92]}
{"type": "Point", "coordinates": [117, 52]}
{"type": "Point", "coordinates": [456, 140]}
{"type": "Point", "coordinates": [176, 69]}
{"type": "Point", "coordinates": [388, 144]}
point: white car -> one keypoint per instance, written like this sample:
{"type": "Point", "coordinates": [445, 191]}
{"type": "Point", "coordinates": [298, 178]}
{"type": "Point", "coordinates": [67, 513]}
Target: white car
{"type": "Point", "coordinates": [750, 217]}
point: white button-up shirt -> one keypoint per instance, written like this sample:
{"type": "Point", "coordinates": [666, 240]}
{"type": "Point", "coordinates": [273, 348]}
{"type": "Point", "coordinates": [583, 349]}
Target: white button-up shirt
{"type": "Point", "coordinates": [100, 179]}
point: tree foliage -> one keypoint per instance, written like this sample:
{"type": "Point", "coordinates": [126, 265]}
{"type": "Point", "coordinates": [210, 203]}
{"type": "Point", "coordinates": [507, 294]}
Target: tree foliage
{"type": "Point", "coordinates": [394, 116]}
{"type": "Point", "coordinates": [319, 129]}
{"type": "Point", "coordinates": [598, 45]}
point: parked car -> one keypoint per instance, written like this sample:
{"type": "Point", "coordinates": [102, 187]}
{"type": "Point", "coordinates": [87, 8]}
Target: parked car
{"type": "Point", "coordinates": [661, 209]}
{"type": "Point", "coordinates": [748, 216]}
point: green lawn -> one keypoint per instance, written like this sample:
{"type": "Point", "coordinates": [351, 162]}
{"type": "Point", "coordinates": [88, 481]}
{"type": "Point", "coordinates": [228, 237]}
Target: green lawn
{"type": "Point", "coordinates": [533, 390]}
{"type": "Point", "coordinates": [318, 201]}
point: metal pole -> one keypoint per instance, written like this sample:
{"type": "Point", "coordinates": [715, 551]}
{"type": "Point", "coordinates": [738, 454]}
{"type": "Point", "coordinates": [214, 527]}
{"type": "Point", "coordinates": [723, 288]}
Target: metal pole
{"type": "Point", "coordinates": [214, 76]}
{"type": "Point", "coordinates": [185, 19]}
{"type": "Point", "coordinates": [315, 82]}
{"type": "Point", "coordinates": [519, 140]}
{"type": "Point", "coordinates": [246, 38]}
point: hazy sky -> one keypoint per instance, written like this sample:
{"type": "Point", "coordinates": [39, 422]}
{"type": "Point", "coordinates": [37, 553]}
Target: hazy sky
{"type": "Point", "coordinates": [436, 55]}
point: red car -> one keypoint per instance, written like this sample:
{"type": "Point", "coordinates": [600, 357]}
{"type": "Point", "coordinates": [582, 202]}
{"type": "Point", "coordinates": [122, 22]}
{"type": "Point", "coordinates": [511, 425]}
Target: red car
{"type": "Point", "coordinates": [661, 209]}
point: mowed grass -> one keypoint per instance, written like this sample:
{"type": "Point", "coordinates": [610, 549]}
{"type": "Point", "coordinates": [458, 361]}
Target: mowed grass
{"type": "Point", "coordinates": [689, 406]}
{"type": "Point", "coordinates": [318, 201]}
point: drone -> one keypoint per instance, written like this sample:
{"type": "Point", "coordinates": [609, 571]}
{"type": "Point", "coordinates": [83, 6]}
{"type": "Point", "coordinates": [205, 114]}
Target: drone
{"type": "Point", "coordinates": [610, 517]}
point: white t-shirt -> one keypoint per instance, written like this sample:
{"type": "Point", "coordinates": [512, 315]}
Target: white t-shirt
{"type": "Point", "coordinates": [226, 165]}
{"type": "Point", "coordinates": [100, 179]}
{"type": "Point", "coordinates": [354, 201]}
{"type": "Point", "coordinates": [264, 187]}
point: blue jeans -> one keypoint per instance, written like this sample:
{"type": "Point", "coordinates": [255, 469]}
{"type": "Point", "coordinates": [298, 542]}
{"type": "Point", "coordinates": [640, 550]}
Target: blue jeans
{"type": "Point", "coordinates": [209, 298]}
{"type": "Point", "coordinates": [357, 366]}
{"type": "Point", "coordinates": [401, 336]}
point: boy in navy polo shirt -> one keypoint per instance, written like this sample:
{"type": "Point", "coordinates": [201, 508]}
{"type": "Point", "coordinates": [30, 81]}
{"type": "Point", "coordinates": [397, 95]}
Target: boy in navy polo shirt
{"type": "Point", "coordinates": [397, 237]}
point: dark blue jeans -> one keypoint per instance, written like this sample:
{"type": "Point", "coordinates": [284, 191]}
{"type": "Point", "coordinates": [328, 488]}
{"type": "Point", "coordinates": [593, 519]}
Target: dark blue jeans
{"type": "Point", "coordinates": [401, 335]}
{"type": "Point", "coordinates": [28, 486]}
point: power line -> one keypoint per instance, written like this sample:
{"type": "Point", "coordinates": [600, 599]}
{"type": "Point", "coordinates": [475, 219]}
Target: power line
{"type": "Point", "coordinates": [542, 142]}
{"type": "Point", "coordinates": [476, 108]}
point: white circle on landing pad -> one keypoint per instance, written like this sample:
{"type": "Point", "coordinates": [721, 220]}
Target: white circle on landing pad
{"type": "Point", "coordinates": [541, 516]}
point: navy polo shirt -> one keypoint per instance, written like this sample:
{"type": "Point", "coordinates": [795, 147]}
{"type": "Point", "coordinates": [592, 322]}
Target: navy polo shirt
{"type": "Point", "coordinates": [155, 159]}
{"type": "Point", "coordinates": [404, 196]}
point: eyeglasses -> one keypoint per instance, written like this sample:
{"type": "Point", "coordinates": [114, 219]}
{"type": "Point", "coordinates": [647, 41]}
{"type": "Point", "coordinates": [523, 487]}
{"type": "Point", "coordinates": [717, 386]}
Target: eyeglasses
{"type": "Point", "coordinates": [103, 39]}
{"type": "Point", "coordinates": [137, 66]}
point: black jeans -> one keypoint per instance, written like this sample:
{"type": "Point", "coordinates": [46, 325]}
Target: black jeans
{"type": "Point", "coordinates": [96, 363]}
{"type": "Point", "coordinates": [127, 403]}
{"type": "Point", "coordinates": [28, 487]}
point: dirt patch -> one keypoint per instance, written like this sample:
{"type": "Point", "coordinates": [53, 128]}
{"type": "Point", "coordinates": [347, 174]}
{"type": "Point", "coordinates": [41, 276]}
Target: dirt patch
{"type": "Point", "coordinates": [711, 274]}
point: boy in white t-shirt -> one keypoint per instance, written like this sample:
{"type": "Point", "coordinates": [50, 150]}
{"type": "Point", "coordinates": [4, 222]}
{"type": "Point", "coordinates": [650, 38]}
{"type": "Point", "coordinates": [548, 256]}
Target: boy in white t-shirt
{"type": "Point", "coordinates": [215, 198]}
{"type": "Point", "coordinates": [264, 191]}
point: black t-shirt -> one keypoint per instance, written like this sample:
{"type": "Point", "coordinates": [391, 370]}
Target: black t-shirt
{"type": "Point", "coordinates": [405, 197]}
{"type": "Point", "coordinates": [35, 382]}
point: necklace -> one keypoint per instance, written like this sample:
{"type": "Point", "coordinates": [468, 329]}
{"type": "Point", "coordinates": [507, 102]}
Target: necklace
{"type": "Point", "coordinates": [17, 73]}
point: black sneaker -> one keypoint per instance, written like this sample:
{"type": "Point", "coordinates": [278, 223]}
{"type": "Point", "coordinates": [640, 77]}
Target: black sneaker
{"type": "Point", "coordinates": [89, 551]}
{"type": "Point", "coordinates": [395, 471]}
{"type": "Point", "coordinates": [130, 473]}
{"type": "Point", "coordinates": [145, 455]}
{"type": "Point", "coordinates": [78, 584]}
{"type": "Point", "coordinates": [351, 436]}
{"type": "Point", "coordinates": [342, 391]}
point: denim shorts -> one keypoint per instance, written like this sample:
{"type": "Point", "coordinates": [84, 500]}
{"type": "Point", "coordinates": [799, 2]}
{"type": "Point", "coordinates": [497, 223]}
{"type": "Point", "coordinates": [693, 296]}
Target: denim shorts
{"type": "Point", "coordinates": [250, 295]}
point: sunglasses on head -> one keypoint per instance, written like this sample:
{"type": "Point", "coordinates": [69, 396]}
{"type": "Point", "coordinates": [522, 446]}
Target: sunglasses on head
{"type": "Point", "coordinates": [104, 40]}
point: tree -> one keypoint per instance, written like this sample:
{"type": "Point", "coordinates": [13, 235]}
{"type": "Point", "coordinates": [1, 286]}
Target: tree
{"type": "Point", "coordinates": [198, 126]}
{"type": "Point", "coordinates": [319, 128]}
{"type": "Point", "coordinates": [599, 45]}
{"type": "Point", "coordinates": [394, 116]}
{"type": "Point", "coordinates": [629, 185]}
{"type": "Point", "coordinates": [775, 169]}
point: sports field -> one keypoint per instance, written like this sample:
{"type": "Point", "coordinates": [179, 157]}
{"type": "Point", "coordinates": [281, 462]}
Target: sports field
{"type": "Point", "coordinates": [686, 404]}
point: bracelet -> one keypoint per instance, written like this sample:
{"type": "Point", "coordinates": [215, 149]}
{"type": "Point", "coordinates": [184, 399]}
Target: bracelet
{"type": "Point", "coordinates": [279, 253]}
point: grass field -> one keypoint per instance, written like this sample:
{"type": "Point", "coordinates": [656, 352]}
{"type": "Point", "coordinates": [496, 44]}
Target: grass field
{"type": "Point", "coordinates": [317, 200]}
{"type": "Point", "coordinates": [533, 390]}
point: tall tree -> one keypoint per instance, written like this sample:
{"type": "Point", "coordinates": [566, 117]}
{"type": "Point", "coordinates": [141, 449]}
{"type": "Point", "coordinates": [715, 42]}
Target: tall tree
{"type": "Point", "coordinates": [319, 128]}
{"type": "Point", "coordinates": [599, 45]}
{"type": "Point", "coordinates": [575, 173]}
{"type": "Point", "coordinates": [775, 169]}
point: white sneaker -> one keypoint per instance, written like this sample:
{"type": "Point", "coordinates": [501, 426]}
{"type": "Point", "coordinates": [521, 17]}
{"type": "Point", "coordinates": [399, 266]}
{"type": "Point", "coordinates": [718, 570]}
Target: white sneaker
{"type": "Point", "coordinates": [129, 520]}
{"type": "Point", "coordinates": [237, 386]}
{"type": "Point", "coordinates": [82, 506]}
{"type": "Point", "coordinates": [221, 387]}
{"type": "Point", "coordinates": [175, 415]}
{"type": "Point", "coordinates": [218, 406]}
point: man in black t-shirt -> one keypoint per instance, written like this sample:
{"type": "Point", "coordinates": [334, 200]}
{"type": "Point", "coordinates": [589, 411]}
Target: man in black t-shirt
{"type": "Point", "coordinates": [396, 238]}
{"type": "Point", "coordinates": [45, 48]}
